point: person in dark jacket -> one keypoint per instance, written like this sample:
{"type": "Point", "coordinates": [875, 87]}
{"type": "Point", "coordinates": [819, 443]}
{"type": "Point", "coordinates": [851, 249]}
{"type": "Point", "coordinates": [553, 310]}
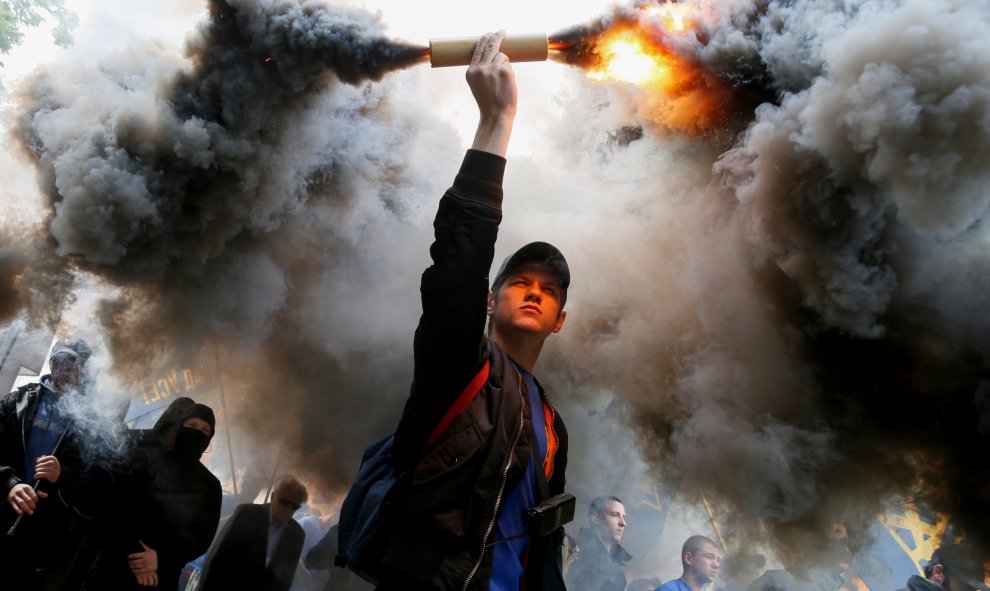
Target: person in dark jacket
{"type": "Point", "coordinates": [166, 511]}
{"type": "Point", "coordinates": [457, 512]}
{"type": "Point", "coordinates": [951, 568]}
{"type": "Point", "coordinates": [38, 441]}
{"type": "Point", "coordinates": [600, 559]}
{"type": "Point", "coordinates": [260, 546]}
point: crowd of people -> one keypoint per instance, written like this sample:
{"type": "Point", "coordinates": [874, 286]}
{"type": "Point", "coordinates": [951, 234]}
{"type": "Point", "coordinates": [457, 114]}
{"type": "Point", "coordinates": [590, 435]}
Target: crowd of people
{"type": "Point", "coordinates": [141, 520]}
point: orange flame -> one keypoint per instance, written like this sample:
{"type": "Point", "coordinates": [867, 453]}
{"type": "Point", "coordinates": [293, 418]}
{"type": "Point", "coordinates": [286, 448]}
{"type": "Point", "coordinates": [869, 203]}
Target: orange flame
{"type": "Point", "coordinates": [679, 94]}
{"type": "Point", "coordinates": [627, 57]}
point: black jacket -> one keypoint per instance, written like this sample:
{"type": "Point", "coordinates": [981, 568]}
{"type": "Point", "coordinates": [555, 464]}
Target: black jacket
{"type": "Point", "coordinates": [445, 504]}
{"type": "Point", "coordinates": [169, 502]}
{"type": "Point", "coordinates": [595, 569]}
{"type": "Point", "coordinates": [917, 583]}
{"type": "Point", "coordinates": [48, 538]}
{"type": "Point", "coordinates": [237, 558]}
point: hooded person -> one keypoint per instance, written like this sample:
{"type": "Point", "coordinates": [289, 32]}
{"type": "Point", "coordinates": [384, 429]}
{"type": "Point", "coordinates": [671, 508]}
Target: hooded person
{"type": "Point", "coordinates": [42, 476]}
{"type": "Point", "coordinates": [165, 512]}
{"type": "Point", "coordinates": [166, 427]}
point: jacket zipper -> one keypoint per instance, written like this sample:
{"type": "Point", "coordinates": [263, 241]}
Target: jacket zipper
{"type": "Point", "coordinates": [24, 424]}
{"type": "Point", "coordinates": [501, 490]}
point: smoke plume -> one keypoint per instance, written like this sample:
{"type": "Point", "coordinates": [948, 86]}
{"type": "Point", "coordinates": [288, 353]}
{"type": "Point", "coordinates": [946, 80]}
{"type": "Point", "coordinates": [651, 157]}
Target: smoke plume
{"type": "Point", "coordinates": [782, 305]}
{"type": "Point", "coordinates": [220, 193]}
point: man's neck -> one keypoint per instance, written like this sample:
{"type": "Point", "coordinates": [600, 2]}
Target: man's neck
{"type": "Point", "coordinates": [525, 351]}
{"type": "Point", "coordinates": [693, 582]}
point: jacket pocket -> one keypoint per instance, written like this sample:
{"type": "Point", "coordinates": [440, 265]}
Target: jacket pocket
{"type": "Point", "coordinates": [448, 454]}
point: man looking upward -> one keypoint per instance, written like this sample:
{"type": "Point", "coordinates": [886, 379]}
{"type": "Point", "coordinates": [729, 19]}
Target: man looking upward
{"type": "Point", "coordinates": [458, 517]}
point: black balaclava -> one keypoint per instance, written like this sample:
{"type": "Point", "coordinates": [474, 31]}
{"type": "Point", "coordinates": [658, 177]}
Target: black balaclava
{"type": "Point", "coordinates": [189, 442]}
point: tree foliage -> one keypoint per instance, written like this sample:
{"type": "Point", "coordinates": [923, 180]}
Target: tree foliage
{"type": "Point", "coordinates": [15, 15]}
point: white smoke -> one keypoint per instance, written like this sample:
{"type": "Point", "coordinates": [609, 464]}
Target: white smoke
{"type": "Point", "coordinates": [710, 285]}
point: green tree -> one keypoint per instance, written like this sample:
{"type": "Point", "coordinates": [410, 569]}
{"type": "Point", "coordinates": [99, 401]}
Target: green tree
{"type": "Point", "coordinates": [16, 14]}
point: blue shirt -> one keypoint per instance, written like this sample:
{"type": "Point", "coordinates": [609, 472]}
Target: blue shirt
{"type": "Point", "coordinates": [674, 585]}
{"type": "Point", "coordinates": [275, 532]}
{"type": "Point", "coordinates": [46, 427]}
{"type": "Point", "coordinates": [507, 560]}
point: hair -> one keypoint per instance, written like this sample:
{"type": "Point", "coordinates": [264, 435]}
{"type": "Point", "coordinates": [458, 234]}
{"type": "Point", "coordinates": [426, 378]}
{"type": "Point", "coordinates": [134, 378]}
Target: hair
{"type": "Point", "coordinates": [597, 506]}
{"type": "Point", "coordinates": [694, 544]}
{"type": "Point", "coordinates": [290, 481]}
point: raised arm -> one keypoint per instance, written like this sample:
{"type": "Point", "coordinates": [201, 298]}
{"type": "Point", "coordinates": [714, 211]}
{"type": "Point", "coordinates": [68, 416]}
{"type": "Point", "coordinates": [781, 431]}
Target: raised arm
{"type": "Point", "coordinates": [450, 347]}
{"type": "Point", "coordinates": [493, 85]}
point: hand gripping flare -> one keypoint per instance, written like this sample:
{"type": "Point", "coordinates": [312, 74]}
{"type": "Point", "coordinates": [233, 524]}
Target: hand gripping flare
{"type": "Point", "coordinates": [457, 51]}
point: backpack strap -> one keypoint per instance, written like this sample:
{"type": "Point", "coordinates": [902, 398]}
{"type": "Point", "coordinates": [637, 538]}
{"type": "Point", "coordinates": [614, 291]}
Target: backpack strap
{"type": "Point", "coordinates": [465, 398]}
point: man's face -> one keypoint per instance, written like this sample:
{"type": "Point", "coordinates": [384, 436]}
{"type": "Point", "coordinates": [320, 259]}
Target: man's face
{"type": "Point", "coordinates": [286, 500]}
{"type": "Point", "coordinates": [66, 373]}
{"type": "Point", "coordinates": [529, 301]}
{"type": "Point", "coordinates": [704, 563]}
{"type": "Point", "coordinates": [612, 521]}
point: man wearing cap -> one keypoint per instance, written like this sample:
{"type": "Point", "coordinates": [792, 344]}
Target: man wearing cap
{"type": "Point", "coordinates": [457, 514]}
{"type": "Point", "coordinates": [37, 445]}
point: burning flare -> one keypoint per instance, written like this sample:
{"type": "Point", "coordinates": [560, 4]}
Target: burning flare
{"type": "Point", "coordinates": [627, 57]}
{"type": "Point", "coordinates": [652, 47]}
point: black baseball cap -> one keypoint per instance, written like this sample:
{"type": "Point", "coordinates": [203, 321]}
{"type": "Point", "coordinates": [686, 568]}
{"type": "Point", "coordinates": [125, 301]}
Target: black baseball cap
{"type": "Point", "coordinates": [536, 253]}
{"type": "Point", "coordinates": [77, 350]}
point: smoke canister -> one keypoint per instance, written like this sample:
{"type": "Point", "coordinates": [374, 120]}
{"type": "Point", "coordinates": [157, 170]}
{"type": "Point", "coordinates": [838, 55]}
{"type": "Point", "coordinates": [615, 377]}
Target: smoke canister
{"type": "Point", "coordinates": [457, 51]}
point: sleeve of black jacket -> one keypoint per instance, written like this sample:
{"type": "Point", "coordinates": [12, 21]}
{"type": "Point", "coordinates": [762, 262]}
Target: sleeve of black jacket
{"type": "Point", "coordinates": [449, 346]}
{"type": "Point", "coordinates": [10, 433]}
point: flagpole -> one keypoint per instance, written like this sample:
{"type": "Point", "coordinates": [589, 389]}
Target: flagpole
{"type": "Point", "coordinates": [227, 421]}
{"type": "Point", "coordinates": [711, 517]}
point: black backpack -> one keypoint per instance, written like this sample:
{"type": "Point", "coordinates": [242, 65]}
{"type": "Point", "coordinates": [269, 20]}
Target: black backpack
{"type": "Point", "coordinates": [363, 534]}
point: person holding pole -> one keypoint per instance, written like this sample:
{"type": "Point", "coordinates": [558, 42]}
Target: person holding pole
{"type": "Point", "coordinates": [479, 499]}
{"type": "Point", "coordinates": [44, 517]}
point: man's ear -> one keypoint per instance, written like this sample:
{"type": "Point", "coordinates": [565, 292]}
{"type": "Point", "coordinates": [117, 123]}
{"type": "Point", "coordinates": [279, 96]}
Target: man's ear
{"type": "Point", "coordinates": [560, 321]}
{"type": "Point", "coordinates": [938, 573]}
{"type": "Point", "coordinates": [688, 558]}
{"type": "Point", "coordinates": [491, 303]}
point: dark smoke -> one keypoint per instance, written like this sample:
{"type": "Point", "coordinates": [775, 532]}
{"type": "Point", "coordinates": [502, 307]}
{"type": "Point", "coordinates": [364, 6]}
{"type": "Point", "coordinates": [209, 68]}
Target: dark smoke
{"type": "Point", "coordinates": [796, 325]}
{"type": "Point", "coordinates": [829, 334]}
{"type": "Point", "coordinates": [214, 196]}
